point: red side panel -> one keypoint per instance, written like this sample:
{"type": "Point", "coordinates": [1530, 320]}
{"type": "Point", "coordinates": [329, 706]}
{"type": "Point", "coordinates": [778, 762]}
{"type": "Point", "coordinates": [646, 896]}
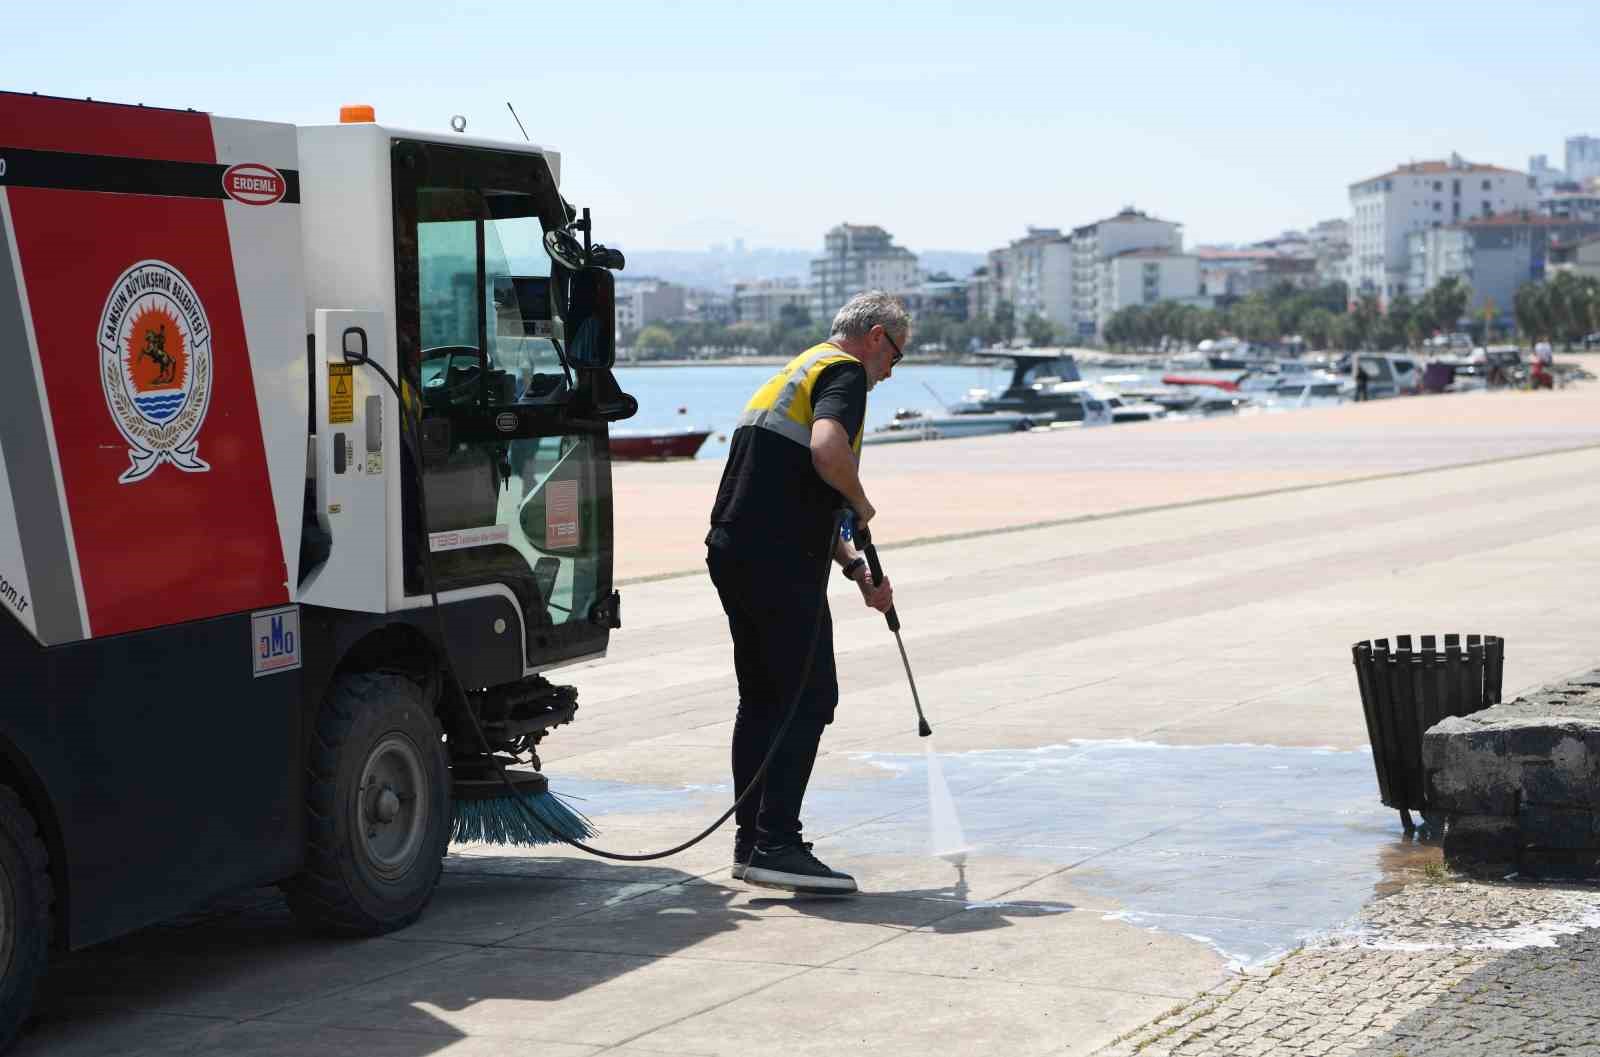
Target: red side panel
{"type": "Point", "coordinates": [40, 123]}
{"type": "Point", "coordinates": [134, 301]}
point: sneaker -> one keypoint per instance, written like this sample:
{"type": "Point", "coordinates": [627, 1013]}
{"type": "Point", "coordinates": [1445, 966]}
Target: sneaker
{"type": "Point", "coordinates": [743, 848]}
{"type": "Point", "coordinates": [793, 867]}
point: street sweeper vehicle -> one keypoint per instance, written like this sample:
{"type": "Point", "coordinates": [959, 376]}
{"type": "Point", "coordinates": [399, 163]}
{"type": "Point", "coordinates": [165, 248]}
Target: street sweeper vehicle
{"type": "Point", "coordinates": [304, 483]}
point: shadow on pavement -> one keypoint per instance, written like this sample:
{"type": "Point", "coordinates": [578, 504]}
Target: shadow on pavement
{"type": "Point", "coordinates": [511, 946]}
{"type": "Point", "coordinates": [899, 909]}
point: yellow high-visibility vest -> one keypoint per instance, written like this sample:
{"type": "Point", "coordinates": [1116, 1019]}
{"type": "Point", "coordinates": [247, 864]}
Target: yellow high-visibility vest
{"type": "Point", "coordinates": [783, 404]}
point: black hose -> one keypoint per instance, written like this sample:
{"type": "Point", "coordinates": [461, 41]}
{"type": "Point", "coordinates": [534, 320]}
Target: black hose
{"type": "Point", "coordinates": [414, 429]}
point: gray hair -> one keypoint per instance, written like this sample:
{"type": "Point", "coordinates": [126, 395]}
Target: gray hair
{"type": "Point", "coordinates": [870, 309]}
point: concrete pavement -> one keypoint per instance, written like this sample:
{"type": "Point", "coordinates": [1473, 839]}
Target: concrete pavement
{"type": "Point", "coordinates": [1149, 722]}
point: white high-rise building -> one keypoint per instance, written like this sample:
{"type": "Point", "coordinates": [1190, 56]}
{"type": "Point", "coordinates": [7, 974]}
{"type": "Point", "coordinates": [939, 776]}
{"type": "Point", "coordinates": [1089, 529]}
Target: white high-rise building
{"type": "Point", "coordinates": [1386, 209]}
{"type": "Point", "coordinates": [1145, 277]}
{"type": "Point", "coordinates": [764, 300]}
{"type": "Point", "coordinates": [857, 257]}
{"type": "Point", "coordinates": [1094, 244]}
{"type": "Point", "coordinates": [642, 300]}
{"type": "Point", "coordinates": [1035, 275]}
{"type": "Point", "coordinates": [1583, 158]}
{"type": "Point", "coordinates": [1545, 176]}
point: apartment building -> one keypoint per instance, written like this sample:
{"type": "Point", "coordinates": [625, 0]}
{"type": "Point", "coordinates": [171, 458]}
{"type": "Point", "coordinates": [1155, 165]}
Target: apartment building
{"type": "Point", "coordinates": [764, 300]}
{"type": "Point", "coordinates": [1583, 158]}
{"type": "Point", "coordinates": [1034, 273]}
{"type": "Point", "coordinates": [643, 300]}
{"type": "Point", "coordinates": [1580, 258]}
{"type": "Point", "coordinates": [1545, 176]}
{"type": "Point", "coordinates": [1571, 202]}
{"type": "Point", "coordinates": [981, 293]}
{"type": "Point", "coordinates": [857, 257]}
{"type": "Point", "coordinates": [1387, 209]}
{"type": "Point", "coordinates": [1493, 255]}
{"type": "Point", "coordinates": [1095, 244]}
{"type": "Point", "coordinates": [1234, 273]}
{"type": "Point", "coordinates": [1144, 277]}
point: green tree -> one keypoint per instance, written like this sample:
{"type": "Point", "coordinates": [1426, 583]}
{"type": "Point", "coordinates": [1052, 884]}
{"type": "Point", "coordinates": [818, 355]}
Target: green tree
{"type": "Point", "coordinates": [655, 340]}
{"type": "Point", "coordinates": [1255, 321]}
{"type": "Point", "coordinates": [1441, 308]}
{"type": "Point", "coordinates": [1205, 324]}
{"type": "Point", "coordinates": [1126, 326]}
{"type": "Point", "coordinates": [1039, 330]}
{"type": "Point", "coordinates": [1532, 310]}
{"type": "Point", "coordinates": [1316, 326]}
{"type": "Point", "coordinates": [1005, 320]}
{"type": "Point", "coordinates": [1398, 324]}
{"type": "Point", "coordinates": [1570, 306]}
{"type": "Point", "coordinates": [794, 317]}
{"type": "Point", "coordinates": [1589, 304]}
{"type": "Point", "coordinates": [1364, 319]}
{"type": "Point", "coordinates": [1165, 320]}
{"type": "Point", "coordinates": [1345, 334]}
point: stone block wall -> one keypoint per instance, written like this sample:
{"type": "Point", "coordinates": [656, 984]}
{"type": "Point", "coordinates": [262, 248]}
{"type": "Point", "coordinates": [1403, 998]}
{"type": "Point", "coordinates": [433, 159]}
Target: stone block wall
{"type": "Point", "coordinates": [1519, 783]}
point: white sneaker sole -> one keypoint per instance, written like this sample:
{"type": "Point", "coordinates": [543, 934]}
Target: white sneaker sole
{"type": "Point", "coordinates": [738, 871]}
{"type": "Point", "coordinates": [805, 884]}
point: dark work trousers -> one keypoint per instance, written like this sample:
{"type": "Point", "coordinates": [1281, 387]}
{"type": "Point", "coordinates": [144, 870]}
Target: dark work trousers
{"type": "Point", "coordinates": [773, 609]}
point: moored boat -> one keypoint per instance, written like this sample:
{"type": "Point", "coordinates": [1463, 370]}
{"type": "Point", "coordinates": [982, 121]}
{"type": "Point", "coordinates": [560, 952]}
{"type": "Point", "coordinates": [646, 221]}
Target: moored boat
{"type": "Point", "coordinates": [913, 424]}
{"type": "Point", "coordinates": [1228, 380]}
{"type": "Point", "coordinates": [657, 444]}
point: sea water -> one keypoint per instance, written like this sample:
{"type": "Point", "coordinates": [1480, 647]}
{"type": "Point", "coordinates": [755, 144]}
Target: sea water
{"type": "Point", "coordinates": [711, 396]}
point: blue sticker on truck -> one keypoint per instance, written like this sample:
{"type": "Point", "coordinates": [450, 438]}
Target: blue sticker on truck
{"type": "Point", "coordinates": [275, 640]}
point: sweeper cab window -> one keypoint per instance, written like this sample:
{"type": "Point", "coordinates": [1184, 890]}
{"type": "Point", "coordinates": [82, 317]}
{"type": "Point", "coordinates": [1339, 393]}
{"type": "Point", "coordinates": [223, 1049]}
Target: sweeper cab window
{"type": "Point", "coordinates": [517, 480]}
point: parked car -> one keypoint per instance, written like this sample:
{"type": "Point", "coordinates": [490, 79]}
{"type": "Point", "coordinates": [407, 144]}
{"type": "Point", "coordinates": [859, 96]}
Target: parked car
{"type": "Point", "coordinates": [1389, 375]}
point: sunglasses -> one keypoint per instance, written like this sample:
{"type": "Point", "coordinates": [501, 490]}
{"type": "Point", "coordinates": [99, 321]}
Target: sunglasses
{"type": "Point", "coordinates": [898, 355]}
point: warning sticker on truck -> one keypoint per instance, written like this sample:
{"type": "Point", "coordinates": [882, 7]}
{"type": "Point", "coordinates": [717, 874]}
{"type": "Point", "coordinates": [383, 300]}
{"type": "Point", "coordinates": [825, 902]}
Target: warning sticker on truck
{"type": "Point", "coordinates": [341, 393]}
{"type": "Point", "coordinates": [275, 640]}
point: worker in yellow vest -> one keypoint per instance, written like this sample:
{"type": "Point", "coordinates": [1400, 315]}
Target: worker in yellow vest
{"type": "Point", "coordinates": [791, 474]}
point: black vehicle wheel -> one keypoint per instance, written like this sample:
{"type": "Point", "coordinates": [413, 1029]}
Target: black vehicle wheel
{"type": "Point", "coordinates": [377, 809]}
{"type": "Point", "coordinates": [25, 922]}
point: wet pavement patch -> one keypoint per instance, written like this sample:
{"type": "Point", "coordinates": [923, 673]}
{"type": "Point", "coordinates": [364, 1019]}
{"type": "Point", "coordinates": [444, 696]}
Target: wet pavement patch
{"type": "Point", "coordinates": [1251, 849]}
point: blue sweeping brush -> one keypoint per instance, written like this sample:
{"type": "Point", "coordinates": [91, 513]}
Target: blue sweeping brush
{"type": "Point", "coordinates": [483, 809]}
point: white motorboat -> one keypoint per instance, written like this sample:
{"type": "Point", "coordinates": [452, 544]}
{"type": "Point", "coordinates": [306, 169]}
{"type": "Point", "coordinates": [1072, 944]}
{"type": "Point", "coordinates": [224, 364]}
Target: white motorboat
{"type": "Point", "coordinates": [915, 424]}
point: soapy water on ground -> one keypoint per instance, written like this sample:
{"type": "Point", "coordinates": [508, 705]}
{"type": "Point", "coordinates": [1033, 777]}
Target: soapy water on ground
{"type": "Point", "coordinates": [1251, 849]}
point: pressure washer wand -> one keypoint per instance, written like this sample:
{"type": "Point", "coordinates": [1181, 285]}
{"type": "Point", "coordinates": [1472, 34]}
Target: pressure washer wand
{"type": "Point", "coordinates": [864, 539]}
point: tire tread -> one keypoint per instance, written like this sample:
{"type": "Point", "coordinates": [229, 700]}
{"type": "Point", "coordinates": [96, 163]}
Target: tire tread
{"type": "Point", "coordinates": [31, 955]}
{"type": "Point", "coordinates": [319, 896]}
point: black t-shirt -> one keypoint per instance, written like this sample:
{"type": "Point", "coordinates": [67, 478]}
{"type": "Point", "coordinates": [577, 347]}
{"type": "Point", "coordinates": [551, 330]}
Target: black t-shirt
{"type": "Point", "coordinates": [771, 500]}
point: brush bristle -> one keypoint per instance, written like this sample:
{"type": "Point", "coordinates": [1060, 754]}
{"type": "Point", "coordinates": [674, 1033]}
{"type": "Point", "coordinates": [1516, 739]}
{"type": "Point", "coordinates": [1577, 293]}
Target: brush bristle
{"type": "Point", "coordinates": [540, 818]}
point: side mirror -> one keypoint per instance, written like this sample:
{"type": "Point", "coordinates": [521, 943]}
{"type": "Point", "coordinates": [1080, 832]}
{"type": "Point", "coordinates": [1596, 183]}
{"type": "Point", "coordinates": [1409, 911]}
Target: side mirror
{"type": "Point", "coordinates": [591, 319]}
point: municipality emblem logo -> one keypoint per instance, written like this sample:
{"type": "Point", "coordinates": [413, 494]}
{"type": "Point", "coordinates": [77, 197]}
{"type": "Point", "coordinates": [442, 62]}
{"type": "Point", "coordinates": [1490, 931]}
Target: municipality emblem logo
{"type": "Point", "coordinates": [155, 367]}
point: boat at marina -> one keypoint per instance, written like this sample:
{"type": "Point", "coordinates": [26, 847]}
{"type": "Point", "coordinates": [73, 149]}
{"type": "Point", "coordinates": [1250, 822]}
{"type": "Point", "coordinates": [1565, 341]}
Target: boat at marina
{"type": "Point", "coordinates": [657, 444]}
{"type": "Point", "coordinates": [1184, 399]}
{"type": "Point", "coordinates": [1227, 354]}
{"type": "Point", "coordinates": [913, 424]}
{"type": "Point", "coordinates": [1229, 380]}
{"type": "Point", "coordinates": [1035, 378]}
{"type": "Point", "coordinates": [1047, 386]}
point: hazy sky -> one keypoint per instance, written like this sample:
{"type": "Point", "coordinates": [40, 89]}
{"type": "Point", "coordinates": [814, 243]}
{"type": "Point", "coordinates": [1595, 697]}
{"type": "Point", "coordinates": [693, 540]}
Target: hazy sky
{"type": "Point", "coordinates": [952, 125]}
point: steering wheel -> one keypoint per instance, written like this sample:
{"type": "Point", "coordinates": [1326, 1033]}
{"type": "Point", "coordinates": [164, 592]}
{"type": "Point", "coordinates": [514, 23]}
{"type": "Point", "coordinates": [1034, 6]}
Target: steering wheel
{"type": "Point", "coordinates": [457, 382]}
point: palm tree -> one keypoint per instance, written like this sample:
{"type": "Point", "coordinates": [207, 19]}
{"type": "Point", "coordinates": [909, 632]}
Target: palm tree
{"type": "Point", "coordinates": [1532, 309]}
